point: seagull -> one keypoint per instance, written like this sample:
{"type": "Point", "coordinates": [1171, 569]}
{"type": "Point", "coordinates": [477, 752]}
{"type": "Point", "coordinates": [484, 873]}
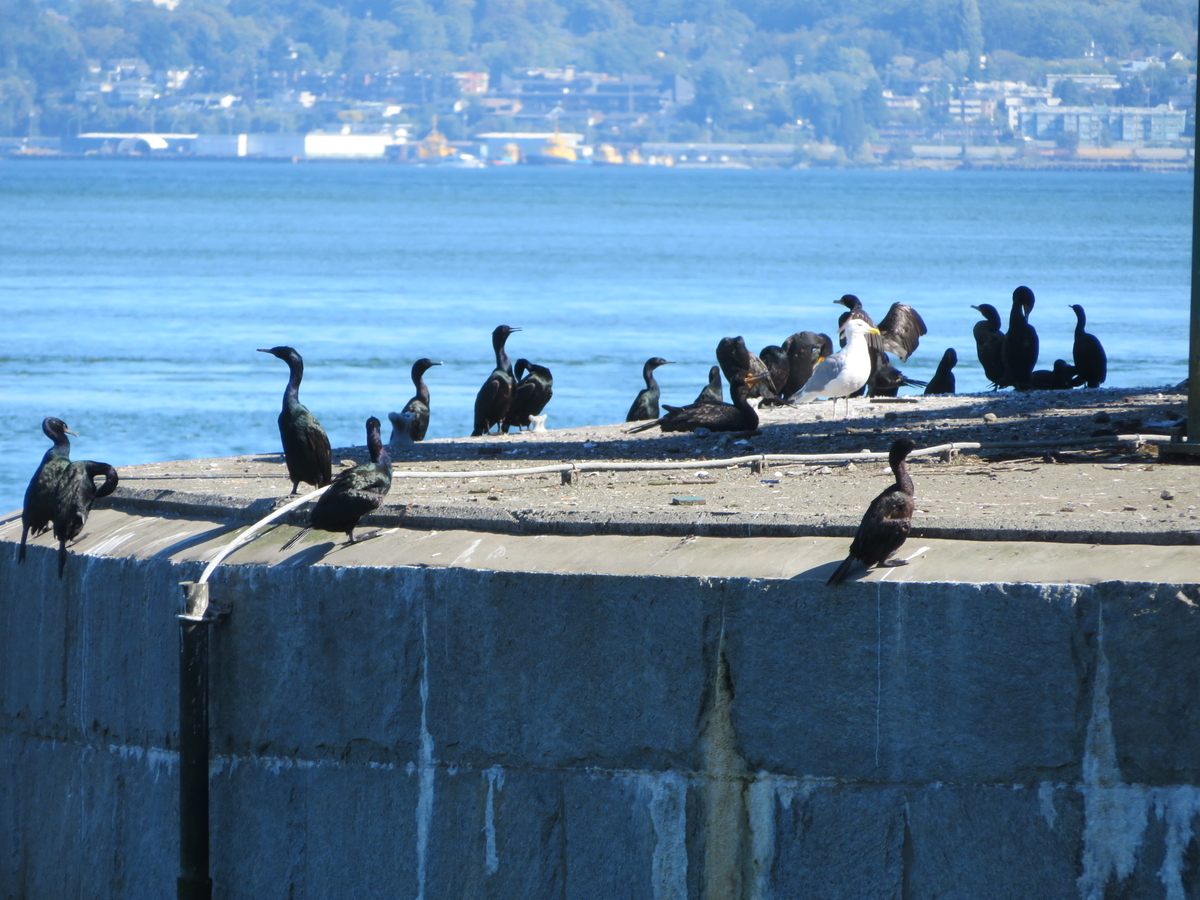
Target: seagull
{"type": "Point", "coordinates": [844, 372]}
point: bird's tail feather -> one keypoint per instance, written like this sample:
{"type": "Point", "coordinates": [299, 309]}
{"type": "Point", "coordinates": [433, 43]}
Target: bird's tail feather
{"type": "Point", "coordinates": [62, 557]}
{"type": "Point", "coordinates": [645, 427]}
{"type": "Point", "coordinates": [301, 533]}
{"type": "Point", "coordinates": [840, 573]}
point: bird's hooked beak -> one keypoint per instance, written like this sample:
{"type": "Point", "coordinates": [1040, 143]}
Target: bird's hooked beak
{"type": "Point", "coordinates": [874, 331]}
{"type": "Point", "coordinates": [69, 431]}
{"type": "Point", "coordinates": [752, 380]}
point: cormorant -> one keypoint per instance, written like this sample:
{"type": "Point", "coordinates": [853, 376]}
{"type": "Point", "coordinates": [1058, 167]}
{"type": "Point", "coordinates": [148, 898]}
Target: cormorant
{"type": "Point", "coordinates": [887, 521]}
{"type": "Point", "coordinates": [738, 416]}
{"type": "Point", "coordinates": [495, 397]}
{"type": "Point", "coordinates": [734, 357]}
{"type": "Point", "coordinates": [712, 392]}
{"type": "Point", "coordinates": [1091, 362]}
{"type": "Point", "coordinates": [1060, 378]}
{"type": "Point", "coordinates": [61, 492]}
{"type": "Point", "coordinates": [942, 381]}
{"type": "Point", "coordinates": [1021, 342]}
{"type": "Point", "coordinates": [842, 373]}
{"type": "Point", "coordinates": [355, 492]}
{"type": "Point", "coordinates": [887, 380]}
{"type": "Point", "coordinates": [531, 395]}
{"type": "Point", "coordinates": [900, 331]}
{"type": "Point", "coordinates": [645, 405]}
{"type": "Point", "coordinates": [401, 436]}
{"type": "Point", "coordinates": [804, 349]}
{"type": "Point", "coordinates": [776, 360]}
{"type": "Point", "coordinates": [305, 444]}
{"type": "Point", "coordinates": [419, 405]}
{"type": "Point", "coordinates": [989, 345]}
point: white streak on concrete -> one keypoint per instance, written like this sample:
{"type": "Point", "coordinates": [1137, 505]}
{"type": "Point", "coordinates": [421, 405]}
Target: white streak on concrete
{"type": "Point", "coordinates": [761, 802]}
{"type": "Point", "coordinates": [498, 553]}
{"type": "Point", "coordinates": [465, 557]}
{"type": "Point", "coordinates": [668, 812]}
{"type": "Point", "coordinates": [425, 764]}
{"type": "Point", "coordinates": [1179, 806]}
{"type": "Point", "coordinates": [108, 545]}
{"type": "Point", "coordinates": [1046, 800]}
{"type": "Point", "coordinates": [495, 780]}
{"type": "Point", "coordinates": [1114, 814]}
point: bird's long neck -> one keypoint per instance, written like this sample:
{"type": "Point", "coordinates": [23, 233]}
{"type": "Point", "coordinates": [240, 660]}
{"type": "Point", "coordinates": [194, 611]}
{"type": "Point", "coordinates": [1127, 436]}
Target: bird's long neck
{"type": "Point", "coordinates": [61, 448]}
{"type": "Point", "coordinates": [648, 375]}
{"type": "Point", "coordinates": [418, 378]}
{"type": "Point", "coordinates": [741, 399]}
{"type": "Point", "coordinates": [1017, 317]}
{"type": "Point", "coordinates": [903, 479]}
{"type": "Point", "coordinates": [1080, 321]}
{"type": "Point", "coordinates": [291, 393]}
{"type": "Point", "coordinates": [502, 362]}
{"type": "Point", "coordinates": [376, 448]}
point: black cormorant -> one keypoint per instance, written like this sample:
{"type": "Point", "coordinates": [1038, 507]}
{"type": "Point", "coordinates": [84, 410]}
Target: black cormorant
{"type": "Point", "coordinates": [804, 349]}
{"type": "Point", "coordinates": [775, 358]}
{"type": "Point", "coordinates": [738, 416]}
{"type": "Point", "coordinates": [61, 492]}
{"type": "Point", "coordinates": [419, 405]}
{"type": "Point", "coordinates": [712, 392]}
{"type": "Point", "coordinates": [843, 373]}
{"type": "Point", "coordinates": [531, 394]}
{"type": "Point", "coordinates": [1021, 342]}
{"type": "Point", "coordinates": [1091, 362]}
{"type": "Point", "coordinates": [645, 404]}
{"type": "Point", "coordinates": [733, 357]}
{"type": "Point", "coordinates": [305, 444]}
{"type": "Point", "coordinates": [942, 381]}
{"type": "Point", "coordinates": [1060, 378]}
{"type": "Point", "coordinates": [887, 380]}
{"type": "Point", "coordinates": [887, 521]}
{"type": "Point", "coordinates": [495, 397]}
{"type": "Point", "coordinates": [355, 492]}
{"type": "Point", "coordinates": [989, 345]}
{"type": "Point", "coordinates": [900, 331]}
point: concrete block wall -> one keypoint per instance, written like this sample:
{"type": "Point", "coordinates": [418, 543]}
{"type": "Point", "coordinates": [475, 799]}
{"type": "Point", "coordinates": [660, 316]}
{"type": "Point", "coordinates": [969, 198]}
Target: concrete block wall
{"type": "Point", "coordinates": [453, 733]}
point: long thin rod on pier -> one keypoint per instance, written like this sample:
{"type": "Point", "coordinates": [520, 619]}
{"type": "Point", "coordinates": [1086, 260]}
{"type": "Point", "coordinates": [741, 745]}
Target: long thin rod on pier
{"type": "Point", "coordinates": [1194, 348]}
{"type": "Point", "coordinates": [193, 882]}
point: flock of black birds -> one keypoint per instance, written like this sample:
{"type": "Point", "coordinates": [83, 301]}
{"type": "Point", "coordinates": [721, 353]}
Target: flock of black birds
{"type": "Point", "coordinates": [802, 368]}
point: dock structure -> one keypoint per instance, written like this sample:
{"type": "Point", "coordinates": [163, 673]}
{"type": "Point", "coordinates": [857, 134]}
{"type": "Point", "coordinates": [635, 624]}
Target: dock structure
{"type": "Point", "coordinates": [563, 683]}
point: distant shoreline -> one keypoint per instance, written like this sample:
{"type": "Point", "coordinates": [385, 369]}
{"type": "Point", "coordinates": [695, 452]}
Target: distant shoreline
{"type": "Point", "coordinates": [937, 165]}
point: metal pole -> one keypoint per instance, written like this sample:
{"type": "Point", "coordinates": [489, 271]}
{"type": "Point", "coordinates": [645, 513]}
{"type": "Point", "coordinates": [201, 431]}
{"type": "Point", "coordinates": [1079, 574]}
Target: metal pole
{"type": "Point", "coordinates": [194, 882]}
{"type": "Point", "coordinates": [1194, 349]}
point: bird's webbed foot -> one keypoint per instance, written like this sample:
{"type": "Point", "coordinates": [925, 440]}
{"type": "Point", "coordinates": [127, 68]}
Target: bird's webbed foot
{"type": "Point", "coordinates": [892, 563]}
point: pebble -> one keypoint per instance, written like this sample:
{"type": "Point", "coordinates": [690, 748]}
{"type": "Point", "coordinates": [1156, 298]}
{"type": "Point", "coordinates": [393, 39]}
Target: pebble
{"type": "Point", "coordinates": [989, 418]}
{"type": "Point", "coordinates": [1167, 495]}
{"type": "Point", "coordinates": [1101, 418]}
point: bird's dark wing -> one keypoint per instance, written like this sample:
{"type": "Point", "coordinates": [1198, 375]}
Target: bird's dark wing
{"type": "Point", "coordinates": [901, 330]}
{"type": "Point", "coordinates": [884, 527]}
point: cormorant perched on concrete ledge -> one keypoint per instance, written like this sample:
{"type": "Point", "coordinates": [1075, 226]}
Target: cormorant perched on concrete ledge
{"type": "Point", "coordinates": [355, 492]}
{"type": "Point", "coordinates": [62, 492]}
{"type": "Point", "coordinates": [645, 404]}
{"type": "Point", "coordinates": [1091, 362]}
{"type": "Point", "coordinates": [886, 523]}
{"type": "Point", "coordinates": [531, 394]}
{"type": "Point", "coordinates": [733, 357]}
{"type": "Point", "coordinates": [804, 349]}
{"type": "Point", "coordinates": [419, 405]}
{"type": "Point", "coordinates": [989, 345]}
{"type": "Point", "coordinates": [305, 444]}
{"type": "Point", "coordinates": [845, 372]}
{"type": "Point", "coordinates": [942, 381]}
{"type": "Point", "coordinates": [738, 416]}
{"type": "Point", "coordinates": [712, 392]}
{"type": "Point", "coordinates": [1021, 342]}
{"type": "Point", "coordinates": [495, 397]}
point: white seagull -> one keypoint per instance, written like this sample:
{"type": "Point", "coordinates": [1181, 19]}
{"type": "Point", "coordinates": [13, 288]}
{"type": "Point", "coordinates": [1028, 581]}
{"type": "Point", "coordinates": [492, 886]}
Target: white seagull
{"type": "Point", "coordinates": [841, 374]}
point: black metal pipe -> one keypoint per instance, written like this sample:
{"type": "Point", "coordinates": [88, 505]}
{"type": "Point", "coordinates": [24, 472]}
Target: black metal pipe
{"type": "Point", "coordinates": [1194, 341]}
{"type": "Point", "coordinates": [194, 882]}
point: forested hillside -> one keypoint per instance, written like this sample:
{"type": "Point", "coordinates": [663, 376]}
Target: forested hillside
{"type": "Point", "coordinates": [780, 58]}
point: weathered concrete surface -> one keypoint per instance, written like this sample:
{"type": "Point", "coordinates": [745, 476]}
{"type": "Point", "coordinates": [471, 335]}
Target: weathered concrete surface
{"type": "Point", "coordinates": [476, 714]}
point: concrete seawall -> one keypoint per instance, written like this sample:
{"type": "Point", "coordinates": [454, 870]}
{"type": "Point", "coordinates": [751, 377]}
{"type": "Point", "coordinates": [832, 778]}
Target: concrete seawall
{"type": "Point", "coordinates": [435, 714]}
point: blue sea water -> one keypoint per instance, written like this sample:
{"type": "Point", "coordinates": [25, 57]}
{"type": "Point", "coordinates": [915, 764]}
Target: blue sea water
{"type": "Point", "coordinates": [134, 293]}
